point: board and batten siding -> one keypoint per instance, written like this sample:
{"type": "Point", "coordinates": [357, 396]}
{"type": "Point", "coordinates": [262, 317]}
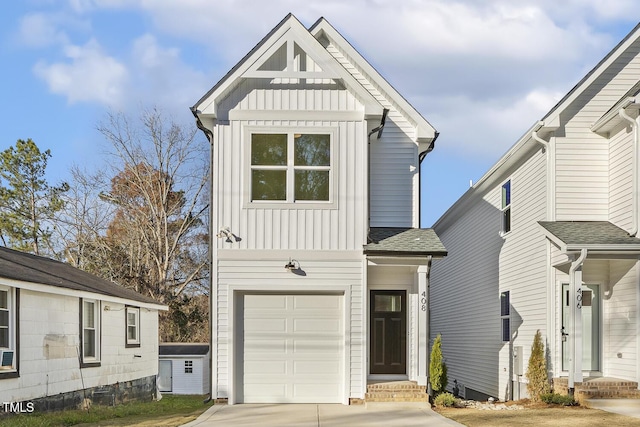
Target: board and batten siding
{"type": "Point", "coordinates": [291, 227]}
{"type": "Point", "coordinates": [582, 157]}
{"type": "Point", "coordinates": [266, 273]}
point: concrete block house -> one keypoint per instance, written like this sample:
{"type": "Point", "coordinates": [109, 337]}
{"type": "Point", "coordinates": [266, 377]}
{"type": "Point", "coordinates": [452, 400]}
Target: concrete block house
{"type": "Point", "coordinates": [548, 240]}
{"type": "Point", "coordinates": [319, 267]}
{"type": "Point", "coordinates": [68, 338]}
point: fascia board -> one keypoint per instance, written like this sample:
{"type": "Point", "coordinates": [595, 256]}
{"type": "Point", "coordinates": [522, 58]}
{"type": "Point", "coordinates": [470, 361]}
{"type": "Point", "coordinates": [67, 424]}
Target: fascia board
{"type": "Point", "coordinates": [293, 29]}
{"type": "Point", "coordinates": [423, 127]}
{"type": "Point", "coordinates": [554, 114]}
{"type": "Point", "coordinates": [608, 121]}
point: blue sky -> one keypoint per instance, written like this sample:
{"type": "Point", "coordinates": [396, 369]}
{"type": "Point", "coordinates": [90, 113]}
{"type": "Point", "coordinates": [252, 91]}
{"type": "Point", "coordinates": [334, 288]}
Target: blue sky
{"type": "Point", "coordinates": [482, 72]}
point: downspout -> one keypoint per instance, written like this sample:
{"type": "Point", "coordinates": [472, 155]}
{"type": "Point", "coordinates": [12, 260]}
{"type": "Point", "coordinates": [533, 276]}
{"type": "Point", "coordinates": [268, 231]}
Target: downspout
{"type": "Point", "coordinates": [421, 157]}
{"type": "Point", "coordinates": [634, 126]}
{"type": "Point", "coordinates": [374, 130]}
{"type": "Point", "coordinates": [209, 134]}
{"type": "Point", "coordinates": [573, 290]}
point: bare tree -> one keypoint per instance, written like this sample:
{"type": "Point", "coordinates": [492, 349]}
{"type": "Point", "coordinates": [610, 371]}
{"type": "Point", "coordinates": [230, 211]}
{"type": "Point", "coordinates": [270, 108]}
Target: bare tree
{"type": "Point", "coordinates": [158, 192]}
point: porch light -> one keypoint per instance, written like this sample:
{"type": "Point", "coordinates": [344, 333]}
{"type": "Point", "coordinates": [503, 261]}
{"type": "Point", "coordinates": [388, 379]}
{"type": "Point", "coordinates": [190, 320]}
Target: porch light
{"type": "Point", "coordinates": [292, 265]}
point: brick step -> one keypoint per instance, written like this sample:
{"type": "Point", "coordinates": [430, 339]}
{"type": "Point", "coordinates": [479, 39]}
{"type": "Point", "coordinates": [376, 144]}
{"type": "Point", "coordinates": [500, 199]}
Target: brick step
{"type": "Point", "coordinates": [380, 387]}
{"type": "Point", "coordinates": [601, 388]}
{"type": "Point", "coordinates": [400, 396]}
{"type": "Point", "coordinates": [609, 394]}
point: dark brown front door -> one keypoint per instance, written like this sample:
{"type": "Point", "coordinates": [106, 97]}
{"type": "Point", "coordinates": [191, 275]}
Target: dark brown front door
{"type": "Point", "coordinates": [388, 332]}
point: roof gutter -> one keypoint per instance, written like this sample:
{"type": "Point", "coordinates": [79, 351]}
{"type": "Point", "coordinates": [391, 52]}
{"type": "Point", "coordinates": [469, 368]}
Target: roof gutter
{"type": "Point", "coordinates": [377, 129]}
{"type": "Point", "coordinates": [634, 200]}
{"type": "Point", "coordinates": [574, 313]}
{"type": "Point", "coordinates": [421, 157]}
{"type": "Point", "coordinates": [209, 134]}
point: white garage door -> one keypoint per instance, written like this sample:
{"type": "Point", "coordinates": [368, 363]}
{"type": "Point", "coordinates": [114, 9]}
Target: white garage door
{"type": "Point", "coordinates": [293, 349]}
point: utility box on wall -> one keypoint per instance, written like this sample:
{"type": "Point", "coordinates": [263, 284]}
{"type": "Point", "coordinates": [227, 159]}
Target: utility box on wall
{"type": "Point", "coordinates": [518, 365]}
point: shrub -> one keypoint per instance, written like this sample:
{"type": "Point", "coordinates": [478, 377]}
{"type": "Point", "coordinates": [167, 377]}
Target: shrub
{"type": "Point", "coordinates": [437, 367]}
{"type": "Point", "coordinates": [445, 399]}
{"type": "Point", "coordinates": [558, 399]}
{"type": "Point", "coordinates": [537, 370]}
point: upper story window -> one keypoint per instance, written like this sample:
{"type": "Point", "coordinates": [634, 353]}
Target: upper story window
{"type": "Point", "coordinates": [506, 207]}
{"type": "Point", "coordinates": [90, 335]}
{"type": "Point", "coordinates": [291, 167]}
{"type": "Point", "coordinates": [133, 326]}
{"type": "Point", "coordinates": [8, 326]}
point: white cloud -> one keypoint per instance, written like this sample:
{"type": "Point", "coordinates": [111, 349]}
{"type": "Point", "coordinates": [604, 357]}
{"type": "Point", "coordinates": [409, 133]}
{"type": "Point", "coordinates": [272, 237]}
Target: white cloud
{"type": "Point", "coordinates": [40, 30]}
{"type": "Point", "coordinates": [89, 75]}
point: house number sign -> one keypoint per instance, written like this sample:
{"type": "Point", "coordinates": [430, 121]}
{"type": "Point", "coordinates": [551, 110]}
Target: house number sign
{"type": "Point", "coordinates": [579, 298]}
{"type": "Point", "coordinates": [423, 301]}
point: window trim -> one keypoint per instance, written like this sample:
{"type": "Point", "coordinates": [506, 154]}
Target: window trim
{"type": "Point", "coordinates": [505, 315]}
{"type": "Point", "coordinates": [14, 332]}
{"type": "Point", "coordinates": [505, 208]}
{"type": "Point", "coordinates": [332, 203]}
{"type": "Point", "coordinates": [188, 369]}
{"type": "Point", "coordinates": [129, 343]}
{"type": "Point", "coordinates": [95, 361]}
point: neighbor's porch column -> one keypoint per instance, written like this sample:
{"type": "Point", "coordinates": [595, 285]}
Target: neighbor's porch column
{"type": "Point", "coordinates": [423, 324]}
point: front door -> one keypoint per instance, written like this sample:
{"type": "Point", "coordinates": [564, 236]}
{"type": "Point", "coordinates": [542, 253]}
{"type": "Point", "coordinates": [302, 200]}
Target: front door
{"type": "Point", "coordinates": [388, 313]}
{"type": "Point", "coordinates": [590, 310]}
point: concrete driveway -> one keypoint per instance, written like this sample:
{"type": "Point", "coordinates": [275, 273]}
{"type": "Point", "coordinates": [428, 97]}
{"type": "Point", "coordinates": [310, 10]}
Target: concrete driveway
{"type": "Point", "coordinates": [323, 415]}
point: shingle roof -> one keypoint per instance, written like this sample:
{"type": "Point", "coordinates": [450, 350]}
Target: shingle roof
{"type": "Point", "coordinates": [577, 234]}
{"type": "Point", "coordinates": [183, 349]}
{"type": "Point", "coordinates": [404, 241]}
{"type": "Point", "coordinates": [30, 268]}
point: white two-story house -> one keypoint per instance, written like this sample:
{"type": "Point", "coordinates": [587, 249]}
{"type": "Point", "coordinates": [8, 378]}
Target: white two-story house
{"type": "Point", "coordinates": [548, 240]}
{"type": "Point", "coordinates": [319, 266]}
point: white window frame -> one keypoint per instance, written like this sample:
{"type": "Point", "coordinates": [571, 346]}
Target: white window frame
{"type": "Point", "coordinates": [132, 342]}
{"type": "Point", "coordinates": [290, 202]}
{"type": "Point", "coordinates": [94, 359]}
{"type": "Point", "coordinates": [11, 309]}
{"type": "Point", "coordinates": [507, 225]}
{"type": "Point", "coordinates": [188, 366]}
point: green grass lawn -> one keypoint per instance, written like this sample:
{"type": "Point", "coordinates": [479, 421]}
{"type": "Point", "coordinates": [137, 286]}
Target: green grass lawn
{"type": "Point", "coordinates": [169, 411]}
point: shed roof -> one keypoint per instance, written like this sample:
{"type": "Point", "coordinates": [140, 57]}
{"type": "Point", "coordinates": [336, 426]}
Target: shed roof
{"type": "Point", "coordinates": [595, 235]}
{"type": "Point", "coordinates": [31, 268]}
{"type": "Point", "coordinates": [404, 242]}
{"type": "Point", "coordinates": [183, 349]}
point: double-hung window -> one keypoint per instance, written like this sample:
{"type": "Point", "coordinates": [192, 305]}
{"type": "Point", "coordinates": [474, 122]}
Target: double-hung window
{"type": "Point", "coordinates": [291, 167]}
{"type": "Point", "coordinates": [133, 326]}
{"type": "Point", "coordinates": [90, 331]}
{"type": "Point", "coordinates": [8, 333]}
{"type": "Point", "coordinates": [188, 366]}
{"type": "Point", "coordinates": [506, 207]}
{"type": "Point", "coordinates": [505, 316]}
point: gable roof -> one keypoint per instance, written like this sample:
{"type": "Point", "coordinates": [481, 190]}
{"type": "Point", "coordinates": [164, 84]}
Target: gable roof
{"type": "Point", "coordinates": [289, 30]}
{"type": "Point", "coordinates": [35, 269]}
{"type": "Point", "coordinates": [393, 241]}
{"type": "Point", "coordinates": [424, 130]}
{"type": "Point", "coordinates": [594, 235]}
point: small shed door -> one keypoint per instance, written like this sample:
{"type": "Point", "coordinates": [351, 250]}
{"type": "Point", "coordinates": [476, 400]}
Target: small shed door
{"type": "Point", "coordinates": [165, 376]}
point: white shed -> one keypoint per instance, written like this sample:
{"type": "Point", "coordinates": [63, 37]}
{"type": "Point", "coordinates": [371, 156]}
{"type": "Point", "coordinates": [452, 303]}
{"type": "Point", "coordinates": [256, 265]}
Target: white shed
{"type": "Point", "coordinates": [184, 368]}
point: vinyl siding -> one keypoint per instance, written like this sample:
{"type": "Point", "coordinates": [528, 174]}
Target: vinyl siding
{"type": "Point", "coordinates": [265, 272]}
{"type": "Point", "coordinates": [466, 285]}
{"type": "Point", "coordinates": [621, 178]}
{"type": "Point", "coordinates": [620, 321]}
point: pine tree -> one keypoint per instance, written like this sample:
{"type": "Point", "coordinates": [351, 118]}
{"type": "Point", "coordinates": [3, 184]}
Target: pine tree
{"type": "Point", "coordinates": [537, 370]}
{"type": "Point", "coordinates": [437, 367]}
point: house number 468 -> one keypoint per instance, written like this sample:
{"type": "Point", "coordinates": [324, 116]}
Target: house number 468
{"type": "Point", "coordinates": [423, 301]}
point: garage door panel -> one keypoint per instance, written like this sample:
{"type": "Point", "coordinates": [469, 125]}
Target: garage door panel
{"type": "Point", "coordinates": [293, 349]}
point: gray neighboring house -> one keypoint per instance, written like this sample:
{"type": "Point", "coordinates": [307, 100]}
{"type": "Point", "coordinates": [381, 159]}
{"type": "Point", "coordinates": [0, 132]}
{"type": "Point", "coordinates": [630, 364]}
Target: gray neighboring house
{"type": "Point", "coordinates": [547, 240]}
{"type": "Point", "coordinates": [67, 335]}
